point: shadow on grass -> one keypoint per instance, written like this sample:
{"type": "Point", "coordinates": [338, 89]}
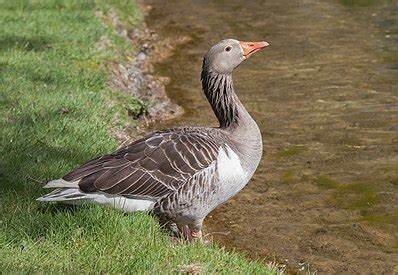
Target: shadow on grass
{"type": "Point", "coordinates": [30, 159]}
{"type": "Point", "coordinates": [27, 5]}
{"type": "Point", "coordinates": [34, 73]}
{"type": "Point", "coordinates": [36, 43]}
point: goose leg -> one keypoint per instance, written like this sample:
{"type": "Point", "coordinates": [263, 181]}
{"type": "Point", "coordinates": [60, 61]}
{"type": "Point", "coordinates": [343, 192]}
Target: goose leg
{"type": "Point", "coordinates": [193, 231]}
{"type": "Point", "coordinates": [196, 234]}
{"type": "Point", "coordinates": [191, 234]}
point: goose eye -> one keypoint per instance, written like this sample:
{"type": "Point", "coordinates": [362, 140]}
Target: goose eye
{"type": "Point", "coordinates": [228, 48]}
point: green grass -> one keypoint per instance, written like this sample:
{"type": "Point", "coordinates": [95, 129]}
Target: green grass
{"type": "Point", "coordinates": [56, 111]}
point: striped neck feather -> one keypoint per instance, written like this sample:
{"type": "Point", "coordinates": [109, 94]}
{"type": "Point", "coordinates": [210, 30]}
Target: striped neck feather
{"type": "Point", "coordinates": [219, 91]}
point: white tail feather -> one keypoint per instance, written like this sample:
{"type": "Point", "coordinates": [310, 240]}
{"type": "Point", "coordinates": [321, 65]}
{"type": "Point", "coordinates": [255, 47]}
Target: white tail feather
{"type": "Point", "coordinates": [64, 195]}
{"type": "Point", "coordinates": [61, 183]}
{"type": "Point", "coordinates": [76, 196]}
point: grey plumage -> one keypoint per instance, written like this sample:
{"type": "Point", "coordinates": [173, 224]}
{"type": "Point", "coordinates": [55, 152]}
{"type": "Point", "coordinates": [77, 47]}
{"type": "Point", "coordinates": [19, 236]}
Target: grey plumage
{"type": "Point", "coordinates": [218, 89]}
{"type": "Point", "coordinates": [180, 174]}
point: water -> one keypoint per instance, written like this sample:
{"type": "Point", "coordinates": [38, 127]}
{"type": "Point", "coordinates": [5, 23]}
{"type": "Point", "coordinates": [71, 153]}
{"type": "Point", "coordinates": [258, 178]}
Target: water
{"type": "Point", "coordinates": [325, 97]}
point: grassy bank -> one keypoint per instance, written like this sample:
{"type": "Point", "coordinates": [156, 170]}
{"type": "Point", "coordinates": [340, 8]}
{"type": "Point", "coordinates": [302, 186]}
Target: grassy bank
{"type": "Point", "coordinates": [57, 111]}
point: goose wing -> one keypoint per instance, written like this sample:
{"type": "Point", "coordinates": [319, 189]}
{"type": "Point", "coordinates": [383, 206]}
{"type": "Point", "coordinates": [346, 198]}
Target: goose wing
{"type": "Point", "coordinates": [150, 167]}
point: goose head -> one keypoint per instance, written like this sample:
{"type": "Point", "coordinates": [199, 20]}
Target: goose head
{"type": "Point", "coordinates": [216, 77]}
{"type": "Point", "coordinates": [228, 54]}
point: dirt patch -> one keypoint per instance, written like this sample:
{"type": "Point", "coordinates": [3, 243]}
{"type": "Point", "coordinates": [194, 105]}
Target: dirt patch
{"type": "Point", "coordinates": [135, 75]}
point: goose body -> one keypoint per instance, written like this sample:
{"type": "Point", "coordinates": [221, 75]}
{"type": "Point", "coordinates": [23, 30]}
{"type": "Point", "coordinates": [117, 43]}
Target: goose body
{"type": "Point", "coordinates": [179, 174]}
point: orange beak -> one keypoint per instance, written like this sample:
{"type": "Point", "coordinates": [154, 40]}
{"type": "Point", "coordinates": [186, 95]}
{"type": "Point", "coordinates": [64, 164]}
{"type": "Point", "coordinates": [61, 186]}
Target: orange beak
{"type": "Point", "coordinates": [250, 48]}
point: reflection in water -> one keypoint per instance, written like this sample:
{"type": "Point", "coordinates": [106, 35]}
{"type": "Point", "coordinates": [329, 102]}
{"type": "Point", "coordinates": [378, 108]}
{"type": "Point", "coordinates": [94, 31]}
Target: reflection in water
{"type": "Point", "coordinates": [324, 95]}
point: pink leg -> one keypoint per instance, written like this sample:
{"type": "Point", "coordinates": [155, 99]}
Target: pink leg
{"type": "Point", "coordinates": [190, 234]}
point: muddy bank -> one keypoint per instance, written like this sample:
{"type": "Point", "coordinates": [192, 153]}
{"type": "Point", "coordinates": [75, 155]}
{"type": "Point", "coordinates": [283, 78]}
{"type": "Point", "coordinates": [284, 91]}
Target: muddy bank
{"type": "Point", "coordinates": [324, 94]}
{"type": "Point", "coordinates": [134, 73]}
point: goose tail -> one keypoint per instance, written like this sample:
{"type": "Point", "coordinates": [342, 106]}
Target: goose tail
{"type": "Point", "coordinates": [66, 195]}
{"type": "Point", "coordinates": [61, 183]}
{"type": "Point", "coordinates": [69, 192]}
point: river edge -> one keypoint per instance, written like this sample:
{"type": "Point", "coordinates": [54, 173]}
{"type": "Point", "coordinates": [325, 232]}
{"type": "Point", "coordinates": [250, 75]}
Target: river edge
{"type": "Point", "coordinates": [55, 115]}
{"type": "Point", "coordinates": [136, 76]}
{"type": "Point", "coordinates": [186, 19]}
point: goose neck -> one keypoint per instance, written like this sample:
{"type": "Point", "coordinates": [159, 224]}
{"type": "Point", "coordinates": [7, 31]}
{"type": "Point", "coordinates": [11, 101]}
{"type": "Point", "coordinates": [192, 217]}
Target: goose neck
{"type": "Point", "coordinates": [219, 91]}
{"type": "Point", "coordinates": [227, 107]}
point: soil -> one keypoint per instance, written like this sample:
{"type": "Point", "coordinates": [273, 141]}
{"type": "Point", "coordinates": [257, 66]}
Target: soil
{"type": "Point", "coordinates": [134, 74]}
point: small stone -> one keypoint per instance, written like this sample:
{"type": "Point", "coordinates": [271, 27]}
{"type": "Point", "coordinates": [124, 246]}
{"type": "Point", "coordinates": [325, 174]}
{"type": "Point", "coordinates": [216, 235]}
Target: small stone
{"type": "Point", "coordinates": [64, 111]}
{"type": "Point", "coordinates": [141, 56]}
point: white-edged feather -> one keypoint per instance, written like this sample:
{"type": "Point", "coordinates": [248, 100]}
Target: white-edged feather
{"type": "Point", "coordinates": [76, 196]}
{"type": "Point", "coordinates": [61, 183]}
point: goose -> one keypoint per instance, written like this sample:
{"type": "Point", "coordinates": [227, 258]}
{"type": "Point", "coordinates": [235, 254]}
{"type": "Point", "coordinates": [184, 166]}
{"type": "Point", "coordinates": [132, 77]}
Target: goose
{"type": "Point", "coordinates": [179, 174]}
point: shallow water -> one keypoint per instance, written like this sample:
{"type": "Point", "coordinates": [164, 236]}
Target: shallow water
{"type": "Point", "coordinates": [325, 97]}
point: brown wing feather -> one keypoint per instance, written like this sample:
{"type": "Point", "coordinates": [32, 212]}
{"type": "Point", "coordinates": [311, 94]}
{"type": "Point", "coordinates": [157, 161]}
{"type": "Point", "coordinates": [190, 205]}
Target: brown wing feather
{"type": "Point", "coordinates": [153, 166]}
